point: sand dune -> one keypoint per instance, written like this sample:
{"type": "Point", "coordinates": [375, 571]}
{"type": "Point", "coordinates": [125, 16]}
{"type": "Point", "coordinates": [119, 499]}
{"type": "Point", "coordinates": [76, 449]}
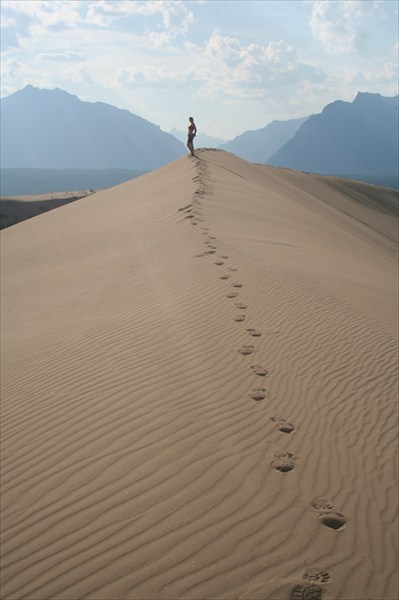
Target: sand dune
{"type": "Point", "coordinates": [15, 209]}
{"type": "Point", "coordinates": [199, 381]}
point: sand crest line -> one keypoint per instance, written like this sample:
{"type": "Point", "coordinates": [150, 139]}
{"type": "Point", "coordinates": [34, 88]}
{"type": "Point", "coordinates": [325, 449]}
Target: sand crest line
{"type": "Point", "coordinates": [284, 462]}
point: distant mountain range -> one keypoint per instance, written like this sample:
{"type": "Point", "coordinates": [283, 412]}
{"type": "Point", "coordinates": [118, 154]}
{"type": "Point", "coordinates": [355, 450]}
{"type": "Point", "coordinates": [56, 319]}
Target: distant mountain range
{"type": "Point", "coordinates": [51, 129]}
{"type": "Point", "coordinates": [202, 140]}
{"type": "Point", "coordinates": [356, 139]}
{"type": "Point", "coordinates": [259, 145]}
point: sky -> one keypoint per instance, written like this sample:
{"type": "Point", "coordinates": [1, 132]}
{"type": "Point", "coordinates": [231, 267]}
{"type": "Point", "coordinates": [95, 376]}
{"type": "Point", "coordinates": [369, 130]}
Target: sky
{"type": "Point", "coordinates": [233, 65]}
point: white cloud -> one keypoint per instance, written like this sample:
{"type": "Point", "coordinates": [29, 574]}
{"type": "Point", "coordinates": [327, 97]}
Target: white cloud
{"type": "Point", "coordinates": [16, 74]}
{"type": "Point", "coordinates": [336, 24]}
{"type": "Point", "coordinates": [223, 67]}
{"type": "Point", "coordinates": [158, 40]}
{"type": "Point", "coordinates": [22, 20]}
{"type": "Point", "coordinates": [66, 56]}
{"type": "Point", "coordinates": [78, 75]}
{"type": "Point", "coordinates": [6, 22]}
{"type": "Point", "coordinates": [143, 75]}
{"type": "Point", "coordinates": [183, 55]}
{"type": "Point", "coordinates": [48, 12]}
{"type": "Point", "coordinates": [230, 69]}
{"type": "Point", "coordinates": [11, 68]}
{"type": "Point", "coordinates": [175, 16]}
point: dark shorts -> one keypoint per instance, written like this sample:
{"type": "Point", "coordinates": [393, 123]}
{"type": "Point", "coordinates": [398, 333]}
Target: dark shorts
{"type": "Point", "coordinates": [191, 137]}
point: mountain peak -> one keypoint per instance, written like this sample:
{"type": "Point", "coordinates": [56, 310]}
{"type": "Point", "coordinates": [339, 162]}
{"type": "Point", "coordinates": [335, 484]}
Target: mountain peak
{"type": "Point", "coordinates": [52, 129]}
{"type": "Point", "coordinates": [259, 145]}
{"type": "Point", "coordinates": [362, 97]}
{"type": "Point", "coordinates": [32, 93]}
{"type": "Point", "coordinates": [348, 139]}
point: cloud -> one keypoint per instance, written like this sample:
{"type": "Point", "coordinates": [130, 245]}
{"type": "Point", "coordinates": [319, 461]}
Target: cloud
{"type": "Point", "coordinates": [49, 13]}
{"type": "Point", "coordinates": [336, 24]}
{"type": "Point", "coordinates": [62, 56]}
{"type": "Point", "coordinates": [76, 75]}
{"type": "Point", "coordinates": [148, 76]}
{"type": "Point", "coordinates": [6, 22]}
{"type": "Point", "coordinates": [158, 40]}
{"type": "Point", "coordinates": [25, 19]}
{"type": "Point", "coordinates": [16, 74]}
{"type": "Point", "coordinates": [223, 67]}
{"type": "Point", "coordinates": [175, 17]}
{"type": "Point", "coordinates": [231, 69]}
{"type": "Point", "coordinates": [11, 69]}
{"type": "Point", "coordinates": [9, 34]}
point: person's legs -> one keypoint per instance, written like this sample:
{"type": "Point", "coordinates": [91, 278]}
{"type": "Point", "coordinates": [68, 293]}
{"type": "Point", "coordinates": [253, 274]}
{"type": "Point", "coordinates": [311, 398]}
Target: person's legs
{"type": "Point", "coordinates": [190, 144]}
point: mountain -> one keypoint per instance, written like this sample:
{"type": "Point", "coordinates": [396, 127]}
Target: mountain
{"type": "Point", "coordinates": [51, 129]}
{"type": "Point", "coordinates": [202, 139]}
{"type": "Point", "coordinates": [259, 145]}
{"type": "Point", "coordinates": [356, 139]}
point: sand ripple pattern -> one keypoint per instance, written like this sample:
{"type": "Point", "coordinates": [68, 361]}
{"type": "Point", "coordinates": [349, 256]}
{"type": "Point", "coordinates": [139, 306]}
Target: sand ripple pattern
{"type": "Point", "coordinates": [145, 455]}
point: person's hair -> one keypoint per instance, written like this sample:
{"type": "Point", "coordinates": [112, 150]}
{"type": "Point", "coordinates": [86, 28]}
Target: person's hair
{"type": "Point", "coordinates": [191, 118]}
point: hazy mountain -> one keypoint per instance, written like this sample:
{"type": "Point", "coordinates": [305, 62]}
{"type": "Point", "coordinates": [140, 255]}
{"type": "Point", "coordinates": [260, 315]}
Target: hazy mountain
{"type": "Point", "coordinates": [202, 139]}
{"type": "Point", "coordinates": [259, 145]}
{"type": "Point", "coordinates": [356, 139]}
{"type": "Point", "coordinates": [52, 129]}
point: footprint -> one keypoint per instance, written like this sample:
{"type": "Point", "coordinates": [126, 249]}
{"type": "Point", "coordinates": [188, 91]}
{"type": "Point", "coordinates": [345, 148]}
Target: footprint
{"type": "Point", "coordinates": [239, 318]}
{"type": "Point", "coordinates": [210, 252]}
{"type": "Point", "coordinates": [241, 306]}
{"type": "Point", "coordinates": [286, 427]}
{"type": "Point", "coordinates": [283, 425]}
{"type": "Point", "coordinates": [284, 462]}
{"type": "Point", "coordinates": [237, 285]}
{"type": "Point", "coordinates": [322, 504]}
{"type": "Point", "coordinates": [232, 268]}
{"type": "Point", "coordinates": [306, 592]}
{"type": "Point", "coordinates": [246, 350]}
{"type": "Point", "coordinates": [198, 255]}
{"type": "Point", "coordinates": [333, 520]}
{"type": "Point", "coordinates": [224, 276]}
{"type": "Point", "coordinates": [258, 370]}
{"type": "Point", "coordinates": [224, 256]}
{"type": "Point", "coordinates": [329, 516]}
{"type": "Point", "coordinates": [254, 332]}
{"type": "Point", "coordinates": [257, 394]}
{"type": "Point", "coordinates": [319, 576]}
{"type": "Point", "coordinates": [232, 295]}
{"type": "Point", "coordinates": [219, 263]}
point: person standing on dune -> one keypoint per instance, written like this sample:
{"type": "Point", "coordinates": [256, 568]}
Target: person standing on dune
{"type": "Point", "coordinates": [192, 131]}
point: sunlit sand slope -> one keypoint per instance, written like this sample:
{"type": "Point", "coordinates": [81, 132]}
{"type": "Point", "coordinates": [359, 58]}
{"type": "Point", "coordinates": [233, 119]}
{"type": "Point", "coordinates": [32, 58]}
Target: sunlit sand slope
{"type": "Point", "coordinates": [199, 381]}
